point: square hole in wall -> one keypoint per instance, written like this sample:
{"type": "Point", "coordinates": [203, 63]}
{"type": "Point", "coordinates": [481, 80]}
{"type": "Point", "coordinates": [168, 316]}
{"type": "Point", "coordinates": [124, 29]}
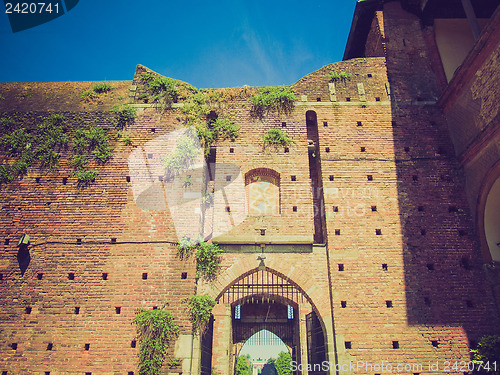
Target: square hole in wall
{"type": "Point", "coordinates": [88, 373]}
{"type": "Point", "coordinates": [363, 149]}
{"type": "Point", "coordinates": [153, 130]}
{"type": "Point", "coordinates": [287, 150]}
{"type": "Point", "coordinates": [325, 124]}
{"type": "Point", "coordinates": [394, 124]}
{"type": "Point", "coordinates": [318, 99]}
{"type": "Point", "coordinates": [78, 241]}
{"type": "Point", "coordinates": [420, 208]}
{"type": "Point", "coordinates": [341, 267]}
{"type": "Point", "coordinates": [388, 304]}
{"type": "Point", "coordinates": [184, 275]}
{"type": "Point", "coordinates": [65, 180]}
{"type": "Point", "coordinates": [133, 344]}
{"type": "Point", "coordinates": [144, 275]}
{"type": "Point", "coordinates": [283, 124]}
{"type": "Point", "coordinates": [294, 208]}
{"type": "Point", "coordinates": [50, 346]}
{"type": "Point", "coordinates": [378, 232]}
{"type": "Point", "coordinates": [377, 99]}
{"type": "Point", "coordinates": [335, 209]}
{"type": "Point", "coordinates": [128, 178]}
{"type": "Point", "coordinates": [369, 177]}
{"type": "Point", "coordinates": [343, 304]}
{"type": "Point", "coordinates": [369, 75]}
{"type": "Point", "coordinates": [1, 276]}
{"type": "Point", "coordinates": [348, 344]}
{"type": "Point", "coordinates": [293, 178]}
{"type": "Point", "coordinates": [104, 276]}
{"type": "Point", "coordinates": [7, 241]}
{"type": "Point", "coordinates": [27, 310]}
{"type": "Point", "coordinates": [228, 178]}
{"type": "Point", "coordinates": [359, 123]}
{"type": "Point", "coordinates": [395, 344]}
{"type": "Point", "coordinates": [384, 266]}
{"type": "Point", "coordinates": [228, 209]}
{"type": "Point", "coordinates": [374, 208]}
{"type": "Point", "coordinates": [77, 310]}
{"type": "Point", "coordinates": [113, 240]}
{"type": "Point", "coordinates": [337, 232]}
{"type": "Point", "coordinates": [14, 346]}
{"type": "Point", "coordinates": [86, 346]}
{"type": "Point", "coordinates": [71, 276]}
{"type": "Point", "coordinates": [118, 310]}
{"type": "Point", "coordinates": [435, 343]}
{"type": "Point", "coordinates": [331, 177]}
{"type": "Point", "coordinates": [327, 149]}
{"type": "Point", "coordinates": [262, 232]}
{"type": "Point", "coordinates": [39, 276]}
{"type": "Point", "coordinates": [231, 150]}
{"type": "Point", "coordinates": [430, 266]}
{"type": "Point", "coordinates": [347, 99]}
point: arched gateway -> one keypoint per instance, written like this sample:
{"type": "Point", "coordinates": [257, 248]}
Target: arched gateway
{"type": "Point", "coordinates": [262, 299]}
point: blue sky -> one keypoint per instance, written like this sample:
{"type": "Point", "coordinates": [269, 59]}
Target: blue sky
{"type": "Point", "coordinates": [222, 43]}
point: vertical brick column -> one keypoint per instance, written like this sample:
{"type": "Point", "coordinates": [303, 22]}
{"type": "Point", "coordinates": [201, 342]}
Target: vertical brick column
{"type": "Point", "coordinates": [222, 344]}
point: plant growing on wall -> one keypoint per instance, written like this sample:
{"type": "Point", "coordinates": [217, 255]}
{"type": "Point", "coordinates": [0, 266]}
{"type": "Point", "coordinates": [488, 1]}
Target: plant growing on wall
{"type": "Point", "coordinates": [184, 154]}
{"type": "Point", "coordinates": [486, 354]}
{"type": "Point", "coordinates": [207, 260]}
{"type": "Point", "coordinates": [163, 89]}
{"type": "Point", "coordinates": [200, 311]}
{"type": "Point", "coordinates": [40, 146]}
{"type": "Point", "coordinates": [342, 76]}
{"type": "Point", "coordinates": [280, 98]}
{"type": "Point", "coordinates": [156, 329]}
{"type": "Point", "coordinates": [124, 115]}
{"type": "Point", "coordinates": [276, 137]}
{"type": "Point", "coordinates": [207, 255]}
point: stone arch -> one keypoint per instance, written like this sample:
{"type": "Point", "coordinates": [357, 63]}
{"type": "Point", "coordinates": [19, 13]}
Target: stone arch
{"type": "Point", "coordinates": [488, 215]}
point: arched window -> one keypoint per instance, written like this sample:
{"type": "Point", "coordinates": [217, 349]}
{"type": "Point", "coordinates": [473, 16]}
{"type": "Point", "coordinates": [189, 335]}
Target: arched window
{"type": "Point", "coordinates": [263, 191]}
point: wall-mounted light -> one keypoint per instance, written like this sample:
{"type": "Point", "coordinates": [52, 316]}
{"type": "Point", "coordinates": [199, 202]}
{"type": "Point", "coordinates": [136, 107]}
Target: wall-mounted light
{"type": "Point", "coordinates": [24, 240]}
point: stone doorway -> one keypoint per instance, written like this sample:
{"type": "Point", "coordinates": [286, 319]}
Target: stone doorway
{"type": "Point", "coordinates": [257, 300]}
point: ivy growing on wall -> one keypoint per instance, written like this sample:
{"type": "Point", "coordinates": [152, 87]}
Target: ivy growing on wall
{"type": "Point", "coordinates": [208, 257]}
{"type": "Point", "coordinates": [156, 329]}
{"type": "Point", "coordinates": [200, 311]}
{"type": "Point", "coordinates": [279, 98]}
{"type": "Point", "coordinates": [42, 144]}
{"type": "Point", "coordinates": [277, 137]}
{"type": "Point", "coordinates": [336, 76]}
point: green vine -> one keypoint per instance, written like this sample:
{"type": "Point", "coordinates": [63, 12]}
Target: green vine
{"type": "Point", "coordinates": [200, 311]}
{"type": "Point", "coordinates": [280, 98]}
{"type": "Point", "coordinates": [342, 76]}
{"type": "Point", "coordinates": [277, 137]}
{"type": "Point", "coordinates": [165, 90]}
{"type": "Point", "coordinates": [208, 260]}
{"type": "Point", "coordinates": [155, 328]}
{"type": "Point", "coordinates": [486, 353]}
{"type": "Point", "coordinates": [124, 115]}
{"type": "Point", "coordinates": [42, 145]}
